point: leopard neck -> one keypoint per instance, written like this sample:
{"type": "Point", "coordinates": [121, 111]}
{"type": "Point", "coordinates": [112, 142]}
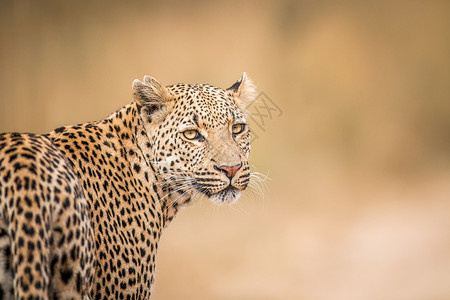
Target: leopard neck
{"type": "Point", "coordinates": [137, 142]}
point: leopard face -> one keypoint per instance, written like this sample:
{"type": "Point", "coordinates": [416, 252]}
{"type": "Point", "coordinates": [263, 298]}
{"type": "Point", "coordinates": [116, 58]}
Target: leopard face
{"type": "Point", "coordinates": [201, 136]}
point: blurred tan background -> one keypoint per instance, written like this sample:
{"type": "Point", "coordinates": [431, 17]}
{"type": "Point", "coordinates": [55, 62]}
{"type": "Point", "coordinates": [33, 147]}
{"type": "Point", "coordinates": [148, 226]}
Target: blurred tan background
{"type": "Point", "coordinates": [358, 201]}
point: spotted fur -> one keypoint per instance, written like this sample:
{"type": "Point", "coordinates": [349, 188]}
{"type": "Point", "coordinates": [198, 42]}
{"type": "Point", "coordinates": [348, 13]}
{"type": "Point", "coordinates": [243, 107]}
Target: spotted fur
{"type": "Point", "coordinates": [82, 208]}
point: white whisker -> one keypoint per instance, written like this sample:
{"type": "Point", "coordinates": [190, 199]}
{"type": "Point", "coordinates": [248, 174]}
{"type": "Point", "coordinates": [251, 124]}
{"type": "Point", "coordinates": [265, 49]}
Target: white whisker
{"type": "Point", "coordinates": [181, 196]}
{"type": "Point", "coordinates": [183, 186]}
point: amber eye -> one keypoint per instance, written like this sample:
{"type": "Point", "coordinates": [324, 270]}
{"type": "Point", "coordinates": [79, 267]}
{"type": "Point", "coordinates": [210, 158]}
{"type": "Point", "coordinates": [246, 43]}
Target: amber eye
{"type": "Point", "coordinates": [237, 128]}
{"type": "Point", "coordinates": [191, 134]}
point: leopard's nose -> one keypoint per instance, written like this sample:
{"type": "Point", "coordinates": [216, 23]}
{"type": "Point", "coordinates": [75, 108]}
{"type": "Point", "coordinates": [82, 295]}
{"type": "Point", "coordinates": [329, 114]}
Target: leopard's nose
{"type": "Point", "coordinates": [230, 171]}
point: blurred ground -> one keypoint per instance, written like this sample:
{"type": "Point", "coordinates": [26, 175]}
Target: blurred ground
{"type": "Point", "coordinates": [358, 205]}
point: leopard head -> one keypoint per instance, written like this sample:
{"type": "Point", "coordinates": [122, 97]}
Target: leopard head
{"type": "Point", "coordinates": [200, 136]}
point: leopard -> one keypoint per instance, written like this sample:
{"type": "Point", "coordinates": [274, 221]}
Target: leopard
{"type": "Point", "coordinates": [83, 207]}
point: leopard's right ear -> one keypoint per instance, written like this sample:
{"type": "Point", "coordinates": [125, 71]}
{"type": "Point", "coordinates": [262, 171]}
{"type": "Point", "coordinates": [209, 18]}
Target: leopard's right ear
{"type": "Point", "coordinates": [151, 97]}
{"type": "Point", "coordinates": [244, 91]}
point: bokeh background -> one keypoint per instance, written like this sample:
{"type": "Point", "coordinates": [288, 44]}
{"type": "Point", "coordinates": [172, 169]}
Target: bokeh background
{"type": "Point", "coordinates": [358, 201]}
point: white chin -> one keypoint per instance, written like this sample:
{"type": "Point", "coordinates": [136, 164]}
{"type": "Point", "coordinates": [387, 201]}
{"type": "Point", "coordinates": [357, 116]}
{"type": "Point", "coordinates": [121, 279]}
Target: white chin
{"type": "Point", "coordinates": [228, 196]}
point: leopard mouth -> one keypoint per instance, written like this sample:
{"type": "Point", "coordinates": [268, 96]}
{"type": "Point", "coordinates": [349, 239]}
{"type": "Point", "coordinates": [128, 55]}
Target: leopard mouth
{"type": "Point", "coordinates": [229, 195]}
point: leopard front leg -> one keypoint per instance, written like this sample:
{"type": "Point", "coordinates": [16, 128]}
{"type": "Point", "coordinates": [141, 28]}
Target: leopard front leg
{"type": "Point", "coordinates": [73, 263]}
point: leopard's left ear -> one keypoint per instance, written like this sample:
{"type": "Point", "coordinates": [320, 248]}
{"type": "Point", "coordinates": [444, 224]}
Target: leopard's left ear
{"type": "Point", "coordinates": [152, 98]}
{"type": "Point", "coordinates": [244, 91]}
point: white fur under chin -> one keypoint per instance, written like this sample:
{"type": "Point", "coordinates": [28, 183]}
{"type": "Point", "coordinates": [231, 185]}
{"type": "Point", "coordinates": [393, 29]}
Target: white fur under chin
{"type": "Point", "coordinates": [226, 197]}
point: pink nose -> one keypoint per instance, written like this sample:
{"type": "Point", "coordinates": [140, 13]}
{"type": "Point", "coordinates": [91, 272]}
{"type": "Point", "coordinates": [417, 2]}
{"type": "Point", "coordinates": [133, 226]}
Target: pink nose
{"type": "Point", "coordinates": [230, 171]}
